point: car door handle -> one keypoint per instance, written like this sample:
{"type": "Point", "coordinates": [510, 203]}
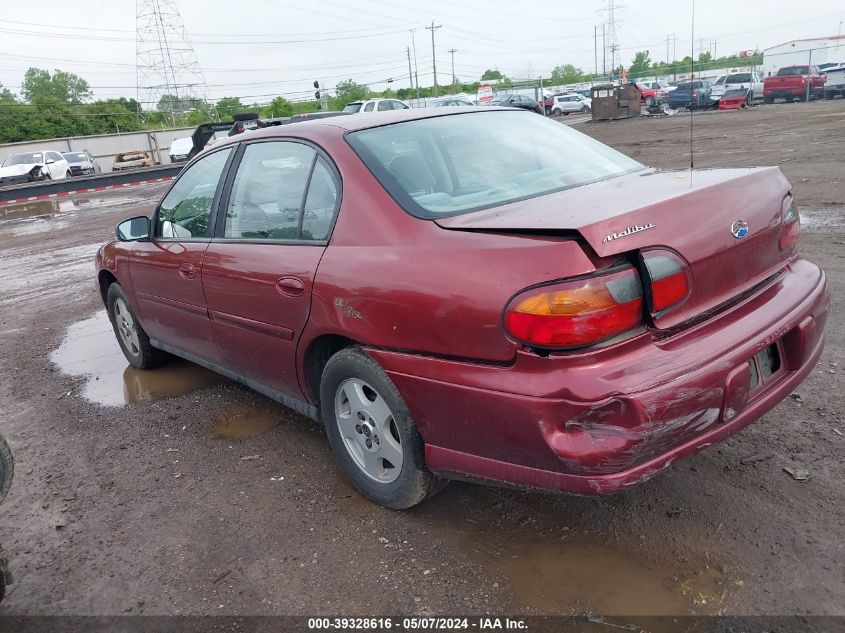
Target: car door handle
{"type": "Point", "coordinates": [290, 286]}
{"type": "Point", "coordinates": [187, 270]}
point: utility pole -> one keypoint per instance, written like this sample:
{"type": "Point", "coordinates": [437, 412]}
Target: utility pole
{"type": "Point", "coordinates": [596, 48]}
{"type": "Point", "coordinates": [603, 53]}
{"type": "Point", "coordinates": [433, 28]}
{"type": "Point", "coordinates": [410, 72]}
{"type": "Point", "coordinates": [416, 70]}
{"type": "Point", "coordinates": [452, 51]}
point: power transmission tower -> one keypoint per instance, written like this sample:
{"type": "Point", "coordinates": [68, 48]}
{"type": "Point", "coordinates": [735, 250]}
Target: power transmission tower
{"type": "Point", "coordinates": [609, 39]}
{"type": "Point", "coordinates": [433, 28]}
{"type": "Point", "coordinates": [165, 60]}
{"type": "Point", "coordinates": [452, 52]}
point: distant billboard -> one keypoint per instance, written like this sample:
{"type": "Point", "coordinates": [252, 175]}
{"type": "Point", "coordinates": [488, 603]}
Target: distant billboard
{"type": "Point", "coordinates": [485, 94]}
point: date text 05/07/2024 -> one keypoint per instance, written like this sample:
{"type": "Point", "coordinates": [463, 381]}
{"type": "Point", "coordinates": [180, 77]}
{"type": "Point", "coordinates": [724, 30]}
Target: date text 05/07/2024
{"type": "Point", "coordinates": [417, 623]}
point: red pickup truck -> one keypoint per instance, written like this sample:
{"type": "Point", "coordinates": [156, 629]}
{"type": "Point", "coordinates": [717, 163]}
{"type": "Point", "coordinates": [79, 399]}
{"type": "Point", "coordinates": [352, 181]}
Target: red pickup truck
{"type": "Point", "coordinates": [791, 82]}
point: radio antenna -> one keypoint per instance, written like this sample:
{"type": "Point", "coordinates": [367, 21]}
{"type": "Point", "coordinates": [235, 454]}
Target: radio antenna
{"type": "Point", "coordinates": [692, 88]}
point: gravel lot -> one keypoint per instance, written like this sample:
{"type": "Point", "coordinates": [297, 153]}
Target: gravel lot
{"type": "Point", "coordinates": [216, 500]}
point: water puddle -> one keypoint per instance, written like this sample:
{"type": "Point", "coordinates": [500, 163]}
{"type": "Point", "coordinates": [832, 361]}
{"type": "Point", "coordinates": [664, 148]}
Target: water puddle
{"type": "Point", "coordinates": [37, 208]}
{"type": "Point", "coordinates": [821, 218]}
{"type": "Point", "coordinates": [241, 423]}
{"type": "Point", "coordinates": [579, 575]}
{"type": "Point", "coordinates": [574, 570]}
{"type": "Point", "coordinates": [90, 349]}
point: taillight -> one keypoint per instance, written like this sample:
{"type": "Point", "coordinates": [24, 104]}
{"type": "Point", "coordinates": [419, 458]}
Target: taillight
{"type": "Point", "coordinates": [577, 313]}
{"type": "Point", "coordinates": [668, 279]}
{"type": "Point", "coordinates": [790, 226]}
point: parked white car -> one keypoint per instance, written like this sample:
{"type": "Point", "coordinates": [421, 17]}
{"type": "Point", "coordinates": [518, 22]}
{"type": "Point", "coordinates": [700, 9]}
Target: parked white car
{"type": "Point", "coordinates": [376, 105]}
{"type": "Point", "coordinates": [180, 148]}
{"type": "Point", "coordinates": [738, 81]}
{"type": "Point", "coordinates": [33, 166]}
{"type": "Point", "coordinates": [564, 104]}
{"type": "Point", "coordinates": [658, 85]}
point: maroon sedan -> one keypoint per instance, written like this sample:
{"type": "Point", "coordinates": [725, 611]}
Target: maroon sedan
{"type": "Point", "coordinates": [480, 294]}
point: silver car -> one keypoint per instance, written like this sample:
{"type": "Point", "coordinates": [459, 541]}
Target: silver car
{"type": "Point", "coordinates": [564, 104]}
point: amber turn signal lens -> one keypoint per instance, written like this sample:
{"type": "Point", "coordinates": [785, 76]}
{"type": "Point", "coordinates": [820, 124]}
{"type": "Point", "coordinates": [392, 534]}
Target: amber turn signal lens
{"type": "Point", "coordinates": [577, 313]}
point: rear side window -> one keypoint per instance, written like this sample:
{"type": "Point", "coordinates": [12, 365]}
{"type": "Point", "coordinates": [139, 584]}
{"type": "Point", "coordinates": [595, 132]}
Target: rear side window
{"type": "Point", "coordinates": [185, 210]}
{"type": "Point", "coordinates": [320, 203]}
{"type": "Point", "coordinates": [268, 191]}
{"type": "Point", "coordinates": [385, 105]}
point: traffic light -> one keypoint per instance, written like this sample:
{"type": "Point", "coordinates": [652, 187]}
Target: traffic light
{"type": "Point", "coordinates": [317, 88]}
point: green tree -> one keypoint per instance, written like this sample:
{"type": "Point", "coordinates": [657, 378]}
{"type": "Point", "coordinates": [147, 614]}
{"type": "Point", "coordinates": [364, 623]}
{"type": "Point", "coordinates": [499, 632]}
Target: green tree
{"type": "Point", "coordinates": [348, 90]}
{"type": "Point", "coordinates": [39, 86]}
{"type": "Point", "coordinates": [6, 95]}
{"type": "Point", "coordinates": [641, 62]}
{"type": "Point", "coordinates": [705, 58]}
{"type": "Point", "coordinates": [491, 75]}
{"type": "Point", "coordinates": [278, 107]}
{"type": "Point", "coordinates": [567, 74]}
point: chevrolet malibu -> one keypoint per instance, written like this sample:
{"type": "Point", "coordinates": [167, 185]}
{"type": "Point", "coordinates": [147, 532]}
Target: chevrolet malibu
{"type": "Point", "coordinates": [478, 294]}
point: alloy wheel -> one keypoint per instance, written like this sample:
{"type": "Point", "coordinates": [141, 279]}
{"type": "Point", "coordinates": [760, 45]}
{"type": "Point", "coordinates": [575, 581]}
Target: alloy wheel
{"type": "Point", "coordinates": [368, 430]}
{"type": "Point", "coordinates": [126, 327]}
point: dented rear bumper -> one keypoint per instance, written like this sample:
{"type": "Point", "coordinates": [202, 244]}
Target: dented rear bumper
{"type": "Point", "coordinates": [599, 422]}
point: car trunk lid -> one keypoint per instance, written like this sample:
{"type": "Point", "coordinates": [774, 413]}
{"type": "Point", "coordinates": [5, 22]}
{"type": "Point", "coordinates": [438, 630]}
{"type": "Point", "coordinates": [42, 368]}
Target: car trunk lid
{"type": "Point", "coordinates": [689, 212]}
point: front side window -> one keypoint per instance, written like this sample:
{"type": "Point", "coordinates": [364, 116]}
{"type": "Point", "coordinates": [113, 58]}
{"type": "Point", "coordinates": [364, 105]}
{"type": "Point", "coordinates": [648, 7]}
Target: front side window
{"type": "Point", "coordinates": [185, 210]}
{"type": "Point", "coordinates": [369, 107]}
{"type": "Point", "coordinates": [385, 105]}
{"type": "Point", "coordinates": [475, 160]}
{"type": "Point", "coordinates": [268, 191]}
{"type": "Point", "coordinates": [398, 105]}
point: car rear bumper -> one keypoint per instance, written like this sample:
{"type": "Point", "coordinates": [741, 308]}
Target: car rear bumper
{"type": "Point", "coordinates": [599, 423]}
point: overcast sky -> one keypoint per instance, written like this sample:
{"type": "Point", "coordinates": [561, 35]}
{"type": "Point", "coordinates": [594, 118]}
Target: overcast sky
{"type": "Point", "coordinates": [245, 47]}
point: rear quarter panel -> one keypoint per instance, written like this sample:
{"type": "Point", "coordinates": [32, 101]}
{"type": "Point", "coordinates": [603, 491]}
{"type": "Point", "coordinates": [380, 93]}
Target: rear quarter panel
{"type": "Point", "coordinates": [390, 280]}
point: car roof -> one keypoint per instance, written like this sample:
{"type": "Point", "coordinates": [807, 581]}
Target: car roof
{"type": "Point", "coordinates": [355, 122]}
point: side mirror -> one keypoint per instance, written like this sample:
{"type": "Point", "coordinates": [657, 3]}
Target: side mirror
{"type": "Point", "coordinates": [134, 229]}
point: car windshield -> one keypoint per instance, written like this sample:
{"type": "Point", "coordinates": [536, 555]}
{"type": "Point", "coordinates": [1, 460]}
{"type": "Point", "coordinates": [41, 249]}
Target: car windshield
{"type": "Point", "coordinates": [466, 162]}
{"type": "Point", "coordinates": [24, 159]}
{"type": "Point", "coordinates": [75, 157]}
{"type": "Point", "coordinates": [499, 99]}
{"type": "Point", "coordinates": [353, 107]}
{"type": "Point", "coordinates": [720, 80]}
{"type": "Point", "coordinates": [790, 71]}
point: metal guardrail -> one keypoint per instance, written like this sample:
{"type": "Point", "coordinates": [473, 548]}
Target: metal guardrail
{"type": "Point", "coordinates": [83, 183]}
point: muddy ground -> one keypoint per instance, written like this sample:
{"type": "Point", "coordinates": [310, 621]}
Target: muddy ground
{"type": "Point", "coordinates": [215, 500]}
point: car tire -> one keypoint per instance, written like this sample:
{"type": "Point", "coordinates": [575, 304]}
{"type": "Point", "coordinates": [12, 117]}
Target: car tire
{"type": "Point", "coordinates": [585, 109]}
{"type": "Point", "coordinates": [649, 101]}
{"type": "Point", "coordinates": [370, 429]}
{"type": "Point", "coordinates": [133, 340]}
{"type": "Point", "coordinates": [68, 174]}
{"type": "Point", "coordinates": [556, 112]}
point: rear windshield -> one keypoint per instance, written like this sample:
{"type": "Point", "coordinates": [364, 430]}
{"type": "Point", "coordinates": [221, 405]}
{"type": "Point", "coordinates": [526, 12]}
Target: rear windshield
{"type": "Point", "coordinates": [353, 107]}
{"type": "Point", "coordinates": [792, 70]}
{"type": "Point", "coordinates": [470, 161]}
{"type": "Point", "coordinates": [739, 78]}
